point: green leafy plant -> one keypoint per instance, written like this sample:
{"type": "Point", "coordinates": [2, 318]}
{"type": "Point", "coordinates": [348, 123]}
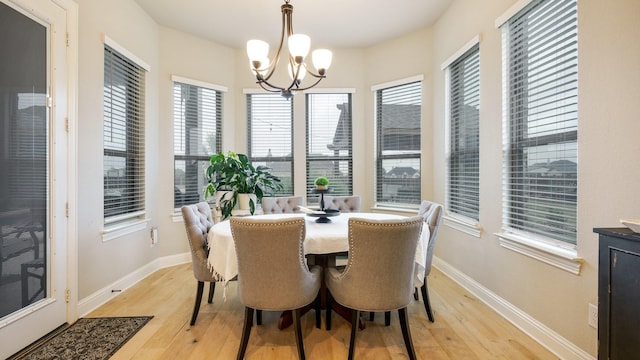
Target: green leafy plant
{"type": "Point", "coordinates": [235, 173]}
{"type": "Point", "coordinates": [321, 181]}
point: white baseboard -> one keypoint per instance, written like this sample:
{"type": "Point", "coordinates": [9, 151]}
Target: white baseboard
{"type": "Point", "coordinates": [548, 338]}
{"type": "Point", "coordinates": [98, 298]}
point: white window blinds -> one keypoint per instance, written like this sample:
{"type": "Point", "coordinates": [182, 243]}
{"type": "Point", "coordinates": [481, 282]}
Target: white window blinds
{"type": "Point", "coordinates": [541, 114]}
{"type": "Point", "coordinates": [270, 134]}
{"type": "Point", "coordinates": [398, 118]}
{"type": "Point", "coordinates": [197, 124]}
{"type": "Point", "coordinates": [329, 142]}
{"type": "Point", "coordinates": [123, 137]}
{"type": "Point", "coordinates": [464, 134]}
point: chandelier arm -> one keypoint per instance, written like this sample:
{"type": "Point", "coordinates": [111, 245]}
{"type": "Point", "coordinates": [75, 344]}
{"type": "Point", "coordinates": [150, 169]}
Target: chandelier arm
{"type": "Point", "coordinates": [310, 86]}
{"type": "Point", "coordinates": [315, 75]}
{"type": "Point", "coordinates": [274, 89]}
{"type": "Point", "coordinates": [286, 12]}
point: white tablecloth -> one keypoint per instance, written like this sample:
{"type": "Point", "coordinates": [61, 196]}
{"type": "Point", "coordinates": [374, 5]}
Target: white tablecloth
{"type": "Point", "coordinates": [325, 238]}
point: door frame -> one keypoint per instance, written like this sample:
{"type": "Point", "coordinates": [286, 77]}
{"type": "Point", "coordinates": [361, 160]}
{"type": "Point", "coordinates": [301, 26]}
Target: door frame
{"type": "Point", "coordinates": [67, 98]}
{"type": "Point", "coordinates": [71, 8]}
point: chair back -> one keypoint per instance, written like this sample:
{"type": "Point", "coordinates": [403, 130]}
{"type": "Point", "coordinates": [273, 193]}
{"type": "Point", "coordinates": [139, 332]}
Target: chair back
{"type": "Point", "coordinates": [345, 204]}
{"type": "Point", "coordinates": [432, 214]}
{"type": "Point", "coordinates": [272, 272]}
{"type": "Point", "coordinates": [281, 205]}
{"type": "Point", "coordinates": [380, 269]}
{"type": "Point", "coordinates": [197, 221]}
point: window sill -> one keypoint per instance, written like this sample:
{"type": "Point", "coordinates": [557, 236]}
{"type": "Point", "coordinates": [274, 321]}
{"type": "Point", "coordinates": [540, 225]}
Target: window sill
{"type": "Point", "coordinates": [117, 231]}
{"type": "Point", "coordinates": [177, 217]}
{"type": "Point", "coordinates": [468, 227]}
{"type": "Point", "coordinates": [383, 208]}
{"type": "Point", "coordinates": [560, 257]}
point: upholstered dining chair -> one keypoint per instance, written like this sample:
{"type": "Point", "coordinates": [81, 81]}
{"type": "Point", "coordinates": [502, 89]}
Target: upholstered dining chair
{"type": "Point", "coordinates": [346, 204]}
{"type": "Point", "coordinates": [343, 203]}
{"type": "Point", "coordinates": [281, 205]}
{"type": "Point", "coordinates": [431, 212]}
{"type": "Point", "coordinates": [197, 221]}
{"type": "Point", "coordinates": [379, 272]}
{"type": "Point", "coordinates": [272, 272]}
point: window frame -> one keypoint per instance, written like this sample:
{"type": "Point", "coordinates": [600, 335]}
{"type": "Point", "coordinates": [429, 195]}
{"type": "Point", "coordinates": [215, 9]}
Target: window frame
{"type": "Point", "coordinates": [134, 151]}
{"type": "Point", "coordinates": [348, 158]}
{"type": "Point", "coordinates": [455, 117]}
{"type": "Point", "coordinates": [218, 92]}
{"type": "Point", "coordinates": [553, 251]}
{"type": "Point", "coordinates": [273, 159]}
{"type": "Point", "coordinates": [378, 93]}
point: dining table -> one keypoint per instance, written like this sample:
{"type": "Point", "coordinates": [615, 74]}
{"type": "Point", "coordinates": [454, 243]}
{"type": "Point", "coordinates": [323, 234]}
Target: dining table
{"type": "Point", "coordinates": [323, 242]}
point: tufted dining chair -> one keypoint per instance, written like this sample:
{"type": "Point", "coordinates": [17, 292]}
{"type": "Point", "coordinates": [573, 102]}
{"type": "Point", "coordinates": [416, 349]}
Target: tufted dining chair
{"type": "Point", "coordinates": [346, 204]}
{"type": "Point", "coordinates": [272, 271]}
{"type": "Point", "coordinates": [379, 272]}
{"type": "Point", "coordinates": [431, 212]}
{"type": "Point", "coordinates": [281, 205]}
{"type": "Point", "coordinates": [197, 222]}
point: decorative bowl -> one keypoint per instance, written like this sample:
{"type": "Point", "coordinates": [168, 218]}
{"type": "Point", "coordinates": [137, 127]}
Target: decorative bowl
{"type": "Point", "coordinates": [324, 217]}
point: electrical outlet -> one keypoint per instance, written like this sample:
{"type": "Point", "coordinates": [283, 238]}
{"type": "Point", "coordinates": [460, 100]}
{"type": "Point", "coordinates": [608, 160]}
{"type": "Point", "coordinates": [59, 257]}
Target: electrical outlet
{"type": "Point", "coordinates": [154, 236]}
{"type": "Point", "coordinates": [593, 316]}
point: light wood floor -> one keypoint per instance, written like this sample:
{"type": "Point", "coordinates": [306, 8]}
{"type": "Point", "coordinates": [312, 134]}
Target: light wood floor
{"type": "Point", "coordinates": [464, 327]}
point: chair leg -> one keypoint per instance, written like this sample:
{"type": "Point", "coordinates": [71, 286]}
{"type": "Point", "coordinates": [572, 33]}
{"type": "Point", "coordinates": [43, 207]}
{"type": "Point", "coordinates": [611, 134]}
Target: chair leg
{"type": "Point", "coordinates": [258, 317]}
{"type": "Point", "coordinates": [318, 310]}
{"type": "Point", "coordinates": [297, 328]}
{"type": "Point", "coordinates": [212, 289]}
{"type": "Point", "coordinates": [196, 308]}
{"type": "Point", "coordinates": [387, 317]}
{"type": "Point", "coordinates": [415, 294]}
{"type": "Point", "coordinates": [406, 334]}
{"type": "Point", "coordinates": [246, 332]}
{"type": "Point", "coordinates": [355, 317]}
{"type": "Point", "coordinates": [425, 299]}
{"type": "Point", "coordinates": [329, 305]}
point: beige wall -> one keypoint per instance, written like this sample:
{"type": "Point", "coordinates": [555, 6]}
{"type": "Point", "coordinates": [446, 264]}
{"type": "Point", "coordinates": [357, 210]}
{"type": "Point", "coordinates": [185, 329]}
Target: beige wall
{"type": "Point", "coordinates": [196, 59]}
{"type": "Point", "coordinates": [609, 80]}
{"type": "Point", "coordinates": [101, 263]}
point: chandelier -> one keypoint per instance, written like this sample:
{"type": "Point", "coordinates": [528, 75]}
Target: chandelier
{"type": "Point", "coordinates": [299, 45]}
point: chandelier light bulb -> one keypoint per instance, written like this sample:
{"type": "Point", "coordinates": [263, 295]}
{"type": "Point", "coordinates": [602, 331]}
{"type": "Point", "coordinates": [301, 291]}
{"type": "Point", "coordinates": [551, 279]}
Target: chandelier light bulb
{"type": "Point", "coordinates": [257, 50]}
{"type": "Point", "coordinates": [322, 60]}
{"type": "Point", "coordinates": [292, 71]}
{"type": "Point", "coordinates": [299, 46]}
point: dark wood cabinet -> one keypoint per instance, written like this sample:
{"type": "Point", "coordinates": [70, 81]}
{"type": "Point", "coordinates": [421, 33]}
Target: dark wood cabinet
{"type": "Point", "coordinates": [618, 294]}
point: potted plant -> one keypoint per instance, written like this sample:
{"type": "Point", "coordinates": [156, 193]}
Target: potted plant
{"type": "Point", "coordinates": [321, 183]}
{"type": "Point", "coordinates": [236, 178]}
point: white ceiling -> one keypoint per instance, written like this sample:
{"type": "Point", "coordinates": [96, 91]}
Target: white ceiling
{"type": "Point", "coordinates": [329, 23]}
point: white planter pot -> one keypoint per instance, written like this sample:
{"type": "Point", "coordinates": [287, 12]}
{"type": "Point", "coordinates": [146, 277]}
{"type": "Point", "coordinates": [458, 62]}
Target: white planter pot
{"type": "Point", "coordinates": [223, 194]}
{"type": "Point", "coordinates": [243, 200]}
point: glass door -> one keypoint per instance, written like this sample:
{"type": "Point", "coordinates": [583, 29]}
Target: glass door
{"type": "Point", "coordinates": [32, 171]}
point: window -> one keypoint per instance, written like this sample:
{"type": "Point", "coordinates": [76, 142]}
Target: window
{"type": "Point", "coordinates": [541, 120]}
{"type": "Point", "coordinates": [197, 124]}
{"type": "Point", "coordinates": [270, 134]}
{"type": "Point", "coordinates": [398, 117]}
{"type": "Point", "coordinates": [123, 137]}
{"type": "Point", "coordinates": [329, 151]}
{"type": "Point", "coordinates": [463, 80]}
